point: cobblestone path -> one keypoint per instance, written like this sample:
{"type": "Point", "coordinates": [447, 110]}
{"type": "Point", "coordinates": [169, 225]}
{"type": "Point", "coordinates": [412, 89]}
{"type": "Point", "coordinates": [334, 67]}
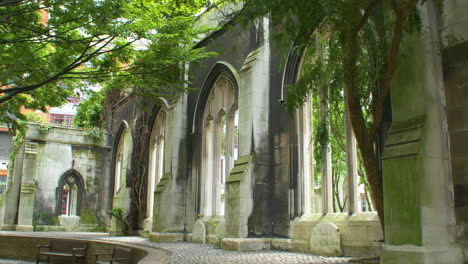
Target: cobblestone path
{"type": "Point", "coordinates": [190, 253]}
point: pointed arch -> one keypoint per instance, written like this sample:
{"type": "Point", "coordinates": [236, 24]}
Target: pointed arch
{"type": "Point", "coordinates": [70, 193]}
{"type": "Point", "coordinates": [156, 154]}
{"type": "Point", "coordinates": [217, 128]}
{"type": "Point", "coordinates": [219, 68]}
{"type": "Point", "coordinates": [120, 156]}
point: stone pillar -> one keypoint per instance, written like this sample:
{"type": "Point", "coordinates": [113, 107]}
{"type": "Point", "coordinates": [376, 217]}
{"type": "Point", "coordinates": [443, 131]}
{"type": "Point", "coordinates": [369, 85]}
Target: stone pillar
{"type": "Point", "coordinates": [351, 162]}
{"type": "Point", "coordinates": [26, 202]}
{"type": "Point", "coordinates": [455, 60]}
{"type": "Point", "coordinates": [218, 207]}
{"type": "Point", "coordinates": [12, 193]}
{"type": "Point", "coordinates": [419, 215]}
{"type": "Point", "coordinates": [248, 189]}
{"type": "Point", "coordinates": [170, 194]}
{"type": "Point", "coordinates": [327, 184]}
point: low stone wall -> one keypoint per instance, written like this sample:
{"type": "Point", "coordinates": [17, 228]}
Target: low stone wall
{"type": "Point", "coordinates": [360, 234]}
{"type": "Point", "coordinates": [25, 248]}
{"type": "Point", "coordinates": [335, 234]}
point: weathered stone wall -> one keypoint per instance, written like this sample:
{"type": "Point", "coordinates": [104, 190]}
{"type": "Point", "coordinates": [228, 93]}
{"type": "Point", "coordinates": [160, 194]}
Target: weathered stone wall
{"type": "Point", "coordinates": [360, 234]}
{"type": "Point", "coordinates": [261, 192]}
{"type": "Point", "coordinates": [419, 216]}
{"type": "Point", "coordinates": [455, 61]}
{"type": "Point", "coordinates": [233, 46]}
{"type": "Point", "coordinates": [49, 153]}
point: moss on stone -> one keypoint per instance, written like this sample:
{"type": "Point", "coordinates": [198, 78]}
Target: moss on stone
{"type": "Point", "coordinates": [163, 182]}
{"type": "Point", "coordinates": [44, 218]}
{"type": "Point", "coordinates": [241, 165]}
{"type": "Point", "coordinates": [88, 217]}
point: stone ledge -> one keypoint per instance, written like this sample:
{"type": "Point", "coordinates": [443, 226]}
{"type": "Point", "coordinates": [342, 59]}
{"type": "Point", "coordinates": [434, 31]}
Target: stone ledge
{"type": "Point", "coordinates": [166, 237]}
{"type": "Point", "coordinates": [409, 254]}
{"type": "Point", "coordinates": [24, 228]}
{"type": "Point", "coordinates": [246, 244]}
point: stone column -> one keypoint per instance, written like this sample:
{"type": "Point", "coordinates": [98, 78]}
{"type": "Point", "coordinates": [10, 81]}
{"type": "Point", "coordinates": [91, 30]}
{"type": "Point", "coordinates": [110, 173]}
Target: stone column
{"type": "Point", "coordinates": [419, 217]}
{"type": "Point", "coordinates": [308, 157]}
{"type": "Point", "coordinates": [26, 200]}
{"type": "Point", "coordinates": [327, 184]}
{"type": "Point", "coordinates": [170, 194]}
{"type": "Point", "coordinates": [217, 203]}
{"type": "Point", "coordinates": [241, 203]}
{"type": "Point", "coordinates": [351, 162]}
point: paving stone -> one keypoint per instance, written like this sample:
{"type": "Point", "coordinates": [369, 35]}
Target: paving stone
{"type": "Point", "coordinates": [192, 253]}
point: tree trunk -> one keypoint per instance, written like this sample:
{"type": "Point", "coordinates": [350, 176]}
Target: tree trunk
{"type": "Point", "coordinates": [363, 137]}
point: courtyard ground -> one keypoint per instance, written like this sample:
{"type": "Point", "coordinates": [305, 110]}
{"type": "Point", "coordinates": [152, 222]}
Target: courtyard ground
{"type": "Point", "coordinates": [191, 253]}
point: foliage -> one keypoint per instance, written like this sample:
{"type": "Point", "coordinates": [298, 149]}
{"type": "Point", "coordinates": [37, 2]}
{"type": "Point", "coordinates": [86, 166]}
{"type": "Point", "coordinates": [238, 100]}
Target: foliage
{"type": "Point", "coordinates": [368, 34]}
{"type": "Point", "coordinates": [44, 129]}
{"type": "Point", "coordinates": [89, 112]}
{"type": "Point", "coordinates": [101, 225]}
{"type": "Point", "coordinates": [219, 236]}
{"type": "Point", "coordinates": [15, 146]}
{"type": "Point", "coordinates": [119, 214]}
{"type": "Point", "coordinates": [50, 48]}
{"type": "Point", "coordinates": [95, 134]}
{"type": "Point", "coordinates": [87, 217]}
{"type": "Point", "coordinates": [43, 218]}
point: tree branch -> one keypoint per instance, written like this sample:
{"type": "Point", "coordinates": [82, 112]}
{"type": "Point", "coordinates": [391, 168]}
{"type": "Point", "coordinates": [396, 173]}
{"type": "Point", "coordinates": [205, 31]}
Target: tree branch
{"type": "Point", "coordinates": [401, 14]}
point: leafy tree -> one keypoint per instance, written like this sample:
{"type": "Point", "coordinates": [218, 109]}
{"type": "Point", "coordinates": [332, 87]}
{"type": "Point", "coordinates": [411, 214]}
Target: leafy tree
{"type": "Point", "coordinates": [89, 112]}
{"type": "Point", "coordinates": [368, 31]}
{"type": "Point", "coordinates": [48, 47]}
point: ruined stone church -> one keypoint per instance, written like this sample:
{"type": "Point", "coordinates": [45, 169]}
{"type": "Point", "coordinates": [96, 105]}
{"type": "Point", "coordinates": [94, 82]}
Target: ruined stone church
{"type": "Point", "coordinates": [227, 164]}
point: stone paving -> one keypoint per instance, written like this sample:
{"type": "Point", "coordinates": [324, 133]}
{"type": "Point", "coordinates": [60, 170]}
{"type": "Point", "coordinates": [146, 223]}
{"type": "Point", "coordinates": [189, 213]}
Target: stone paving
{"type": "Point", "coordinates": [191, 253]}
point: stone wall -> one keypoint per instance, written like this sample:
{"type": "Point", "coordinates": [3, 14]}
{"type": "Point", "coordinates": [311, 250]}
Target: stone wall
{"type": "Point", "coordinates": [264, 208]}
{"type": "Point", "coordinates": [455, 61]}
{"type": "Point", "coordinates": [49, 153]}
{"type": "Point", "coordinates": [419, 216]}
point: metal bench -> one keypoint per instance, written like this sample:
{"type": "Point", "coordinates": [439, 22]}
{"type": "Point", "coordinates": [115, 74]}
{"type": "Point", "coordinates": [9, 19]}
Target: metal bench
{"type": "Point", "coordinates": [61, 248]}
{"type": "Point", "coordinates": [120, 255]}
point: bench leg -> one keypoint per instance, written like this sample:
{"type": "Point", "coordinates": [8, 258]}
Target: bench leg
{"type": "Point", "coordinates": [38, 259]}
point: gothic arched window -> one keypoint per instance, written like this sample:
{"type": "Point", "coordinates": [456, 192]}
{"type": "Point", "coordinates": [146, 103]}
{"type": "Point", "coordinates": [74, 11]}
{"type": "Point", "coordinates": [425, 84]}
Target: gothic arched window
{"type": "Point", "coordinates": [70, 193]}
{"type": "Point", "coordinates": [156, 168]}
{"type": "Point", "coordinates": [220, 144]}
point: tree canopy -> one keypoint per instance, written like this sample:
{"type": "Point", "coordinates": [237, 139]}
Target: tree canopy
{"type": "Point", "coordinates": [49, 47]}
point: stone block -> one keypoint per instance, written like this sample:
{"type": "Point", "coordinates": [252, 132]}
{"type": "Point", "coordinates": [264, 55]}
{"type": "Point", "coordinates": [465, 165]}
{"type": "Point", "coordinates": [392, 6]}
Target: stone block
{"type": "Point", "coordinates": [409, 254]}
{"type": "Point", "coordinates": [301, 245]}
{"type": "Point", "coordinates": [166, 237]}
{"type": "Point", "coordinates": [363, 218]}
{"type": "Point", "coordinates": [374, 233]}
{"type": "Point", "coordinates": [458, 143]}
{"type": "Point", "coordinates": [335, 217]}
{"type": "Point", "coordinates": [301, 231]}
{"type": "Point", "coordinates": [220, 229]}
{"type": "Point", "coordinates": [188, 237]}
{"type": "Point", "coordinates": [354, 233]}
{"type": "Point", "coordinates": [362, 249]}
{"type": "Point", "coordinates": [437, 215]}
{"type": "Point", "coordinates": [326, 240]}
{"type": "Point", "coordinates": [461, 214]}
{"type": "Point", "coordinates": [24, 228]}
{"type": "Point", "coordinates": [69, 220]}
{"type": "Point", "coordinates": [199, 232]}
{"type": "Point", "coordinates": [8, 227]}
{"type": "Point", "coordinates": [281, 244]}
{"type": "Point", "coordinates": [246, 244]}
